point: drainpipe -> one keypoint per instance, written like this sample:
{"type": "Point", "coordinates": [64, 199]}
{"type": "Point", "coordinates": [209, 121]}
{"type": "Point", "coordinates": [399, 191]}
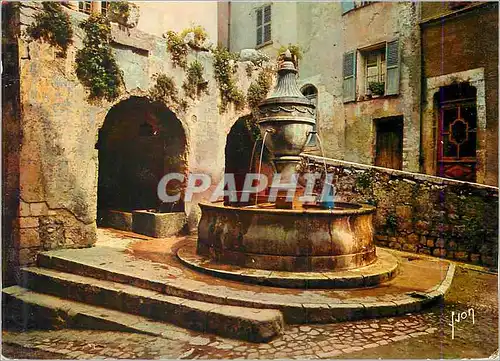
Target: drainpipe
{"type": "Point", "coordinates": [229, 25]}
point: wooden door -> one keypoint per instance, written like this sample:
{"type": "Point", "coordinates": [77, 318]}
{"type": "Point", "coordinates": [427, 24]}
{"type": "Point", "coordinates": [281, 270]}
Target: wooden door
{"type": "Point", "coordinates": [389, 143]}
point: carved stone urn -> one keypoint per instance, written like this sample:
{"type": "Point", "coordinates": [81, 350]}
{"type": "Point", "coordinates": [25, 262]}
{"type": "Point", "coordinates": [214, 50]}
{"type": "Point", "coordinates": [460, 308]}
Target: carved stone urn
{"type": "Point", "coordinates": [286, 119]}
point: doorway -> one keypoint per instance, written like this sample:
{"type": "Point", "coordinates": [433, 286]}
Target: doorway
{"type": "Point", "coordinates": [389, 142]}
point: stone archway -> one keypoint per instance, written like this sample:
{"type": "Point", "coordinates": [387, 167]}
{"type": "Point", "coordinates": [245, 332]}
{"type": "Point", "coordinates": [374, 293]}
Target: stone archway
{"type": "Point", "coordinates": [139, 143]}
{"type": "Point", "coordinates": [240, 155]}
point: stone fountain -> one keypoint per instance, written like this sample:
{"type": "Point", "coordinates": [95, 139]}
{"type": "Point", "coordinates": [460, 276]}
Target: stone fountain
{"type": "Point", "coordinates": [283, 236]}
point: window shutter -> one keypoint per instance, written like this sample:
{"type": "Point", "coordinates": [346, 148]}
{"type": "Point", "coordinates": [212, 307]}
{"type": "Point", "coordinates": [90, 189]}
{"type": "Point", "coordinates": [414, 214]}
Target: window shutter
{"type": "Point", "coordinates": [349, 75]}
{"type": "Point", "coordinates": [259, 26]}
{"type": "Point", "coordinates": [346, 6]}
{"type": "Point", "coordinates": [392, 63]}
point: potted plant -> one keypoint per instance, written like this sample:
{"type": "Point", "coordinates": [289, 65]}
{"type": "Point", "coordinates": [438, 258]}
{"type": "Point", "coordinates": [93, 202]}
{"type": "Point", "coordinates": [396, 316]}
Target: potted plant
{"type": "Point", "coordinates": [376, 88]}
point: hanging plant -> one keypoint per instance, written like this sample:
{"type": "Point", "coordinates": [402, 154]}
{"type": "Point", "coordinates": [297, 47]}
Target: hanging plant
{"type": "Point", "coordinates": [258, 89]}
{"type": "Point", "coordinates": [165, 91]}
{"type": "Point", "coordinates": [195, 84]}
{"type": "Point", "coordinates": [225, 69]}
{"type": "Point", "coordinates": [178, 49]}
{"type": "Point", "coordinates": [96, 67]}
{"type": "Point", "coordinates": [53, 25]}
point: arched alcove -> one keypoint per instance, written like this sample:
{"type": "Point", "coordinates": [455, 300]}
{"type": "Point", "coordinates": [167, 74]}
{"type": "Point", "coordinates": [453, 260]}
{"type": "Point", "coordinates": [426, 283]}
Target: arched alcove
{"type": "Point", "coordinates": [139, 143]}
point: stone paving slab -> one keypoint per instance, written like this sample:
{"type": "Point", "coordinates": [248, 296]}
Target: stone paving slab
{"type": "Point", "coordinates": [152, 264]}
{"type": "Point", "coordinates": [382, 270]}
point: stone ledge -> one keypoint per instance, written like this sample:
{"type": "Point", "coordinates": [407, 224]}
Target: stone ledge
{"type": "Point", "coordinates": [384, 269]}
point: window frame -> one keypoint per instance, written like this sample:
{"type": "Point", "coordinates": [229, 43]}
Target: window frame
{"type": "Point", "coordinates": [262, 41]}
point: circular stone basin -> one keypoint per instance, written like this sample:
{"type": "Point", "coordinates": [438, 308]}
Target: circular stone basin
{"type": "Point", "coordinates": [295, 240]}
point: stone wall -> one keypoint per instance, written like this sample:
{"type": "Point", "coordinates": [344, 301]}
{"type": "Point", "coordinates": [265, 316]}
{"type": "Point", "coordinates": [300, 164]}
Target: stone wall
{"type": "Point", "coordinates": [56, 194]}
{"type": "Point", "coordinates": [421, 213]}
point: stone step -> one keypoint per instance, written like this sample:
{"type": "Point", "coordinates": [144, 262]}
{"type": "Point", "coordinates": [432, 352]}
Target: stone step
{"type": "Point", "coordinates": [400, 296]}
{"type": "Point", "coordinates": [251, 324]}
{"type": "Point", "coordinates": [24, 308]}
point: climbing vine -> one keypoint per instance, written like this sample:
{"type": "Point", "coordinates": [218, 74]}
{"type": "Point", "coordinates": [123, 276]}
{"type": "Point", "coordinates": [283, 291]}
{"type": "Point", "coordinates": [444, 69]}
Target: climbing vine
{"type": "Point", "coordinates": [195, 84]}
{"type": "Point", "coordinates": [165, 91]}
{"type": "Point", "coordinates": [96, 67]}
{"type": "Point", "coordinates": [52, 25]}
{"type": "Point", "coordinates": [258, 89]}
{"type": "Point", "coordinates": [120, 10]}
{"type": "Point", "coordinates": [177, 48]}
{"type": "Point", "coordinates": [225, 70]}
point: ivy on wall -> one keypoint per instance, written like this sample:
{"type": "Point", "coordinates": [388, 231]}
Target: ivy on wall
{"type": "Point", "coordinates": [96, 67]}
{"type": "Point", "coordinates": [177, 48]}
{"type": "Point", "coordinates": [225, 69]}
{"type": "Point", "coordinates": [195, 84]}
{"type": "Point", "coordinates": [258, 89]}
{"type": "Point", "coordinates": [165, 91]}
{"type": "Point", "coordinates": [52, 25]}
{"type": "Point", "coordinates": [119, 10]}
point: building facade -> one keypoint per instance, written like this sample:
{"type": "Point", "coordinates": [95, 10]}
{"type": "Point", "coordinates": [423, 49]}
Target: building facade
{"type": "Point", "coordinates": [460, 90]}
{"type": "Point", "coordinates": [375, 67]}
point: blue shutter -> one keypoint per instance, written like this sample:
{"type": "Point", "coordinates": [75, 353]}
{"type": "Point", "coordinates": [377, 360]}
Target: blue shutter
{"type": "Point", "coordinates": [349, 75]}
{"type": "Point", "coordinates": [392, 60]}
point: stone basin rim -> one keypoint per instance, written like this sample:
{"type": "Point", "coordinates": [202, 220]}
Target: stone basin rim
{"type": "Point", "coordinates": [363, 209]}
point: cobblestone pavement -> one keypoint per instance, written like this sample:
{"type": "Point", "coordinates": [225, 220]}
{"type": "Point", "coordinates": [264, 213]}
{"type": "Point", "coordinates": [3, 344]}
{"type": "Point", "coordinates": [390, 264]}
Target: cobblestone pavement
{"type": "Point", "coordinates": [311, 341]}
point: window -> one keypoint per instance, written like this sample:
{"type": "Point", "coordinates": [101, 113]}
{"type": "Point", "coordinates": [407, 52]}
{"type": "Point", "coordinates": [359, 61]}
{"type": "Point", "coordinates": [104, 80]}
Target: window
{"type": "Point", "coordinates": [263, 24]}
{"type": "Point", "coordinates": [375, 72]}
{"type": "Point", "coordinates": [311, 93]}
{"type": "Point", "coordinates": [104, 7]}
{"type": "Point", "coordinates": [85, 7]}
{"type": "Point", "coordinates": [379, 71]}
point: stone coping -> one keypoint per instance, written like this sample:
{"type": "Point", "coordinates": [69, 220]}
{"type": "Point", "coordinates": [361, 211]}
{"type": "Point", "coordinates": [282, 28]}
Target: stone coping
{"type": "Point", "coordinates": [415, 176]}
{"type": "Point", "coordinates": [382, 270]}
{"type": "Point", "coordinates": [360, 209]}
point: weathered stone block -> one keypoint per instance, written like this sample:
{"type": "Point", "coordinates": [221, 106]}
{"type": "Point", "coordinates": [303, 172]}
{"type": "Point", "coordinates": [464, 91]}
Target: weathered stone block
{"type": "Point", "coordinates": [440, 243]}
{"type": "Point", "coordinates": [461, 255]}
{"type": "Point", "coordinates": [158, 225]}
{"type": "Point", "coordinates": [29, 237]}
{"type": "Point", "coordinates": [28, 222]}
{"type": "Point", "coordinates": [430, 243]}
{"type": "Point", "coordinates": [409, 247]}
{"type": "Point", "coordinates": [118, 220]}
{"type": "Point", "coordinates": [403, 211]}
{"type": "Point", "coordinates": [439, 252]}
{"type": "Point", "coordinates": [476, 258]}
{"type": "Point", "coordinates": [24, 209]}
{"type": "Point", "coordinates": [413, 238]}
{"type": "Point", "coordinates": [38, 209]}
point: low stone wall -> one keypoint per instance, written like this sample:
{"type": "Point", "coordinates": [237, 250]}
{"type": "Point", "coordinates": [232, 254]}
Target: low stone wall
{"type": "Point", "coordinates": [420, 213]}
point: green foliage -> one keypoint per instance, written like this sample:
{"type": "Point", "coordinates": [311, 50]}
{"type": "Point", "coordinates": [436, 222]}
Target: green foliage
{"type": "Point", "coordinates": [178, 50]}
{"type": "Point", "coordinates": [200, 35]}
{"type": "Point", "coordinates": [364, 180]}
{"type": "Point", "coordinates": [391, 222]}
{"type": "Point", "coordinates": [377, 88]}
{"type": "Point", "coordinates": [96, 67]}
{"type": "Point", "coordinates": [120, 8]}
{"type": "Point", "coordinates": [165, 91]}
{"type": "Point", "coordinates": [258, 89]}
{"type": "Point", "coordinates": [52, 25]}
{"type": "Point", "coordinates": [195, 84]}
{"type": "Point", "coordinates": [225, 70]}
{"type": "Point", "coordinates": [294, 50]}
